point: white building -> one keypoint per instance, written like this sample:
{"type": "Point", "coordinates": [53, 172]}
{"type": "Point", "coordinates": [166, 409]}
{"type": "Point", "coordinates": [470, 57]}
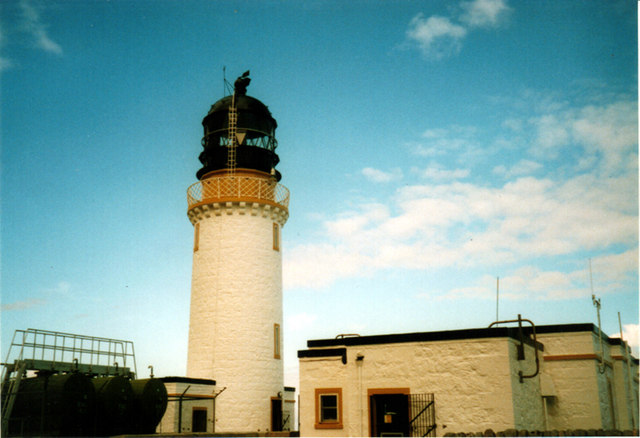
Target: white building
{"type": "Point", "coordinates": [191, 406]}
{"type": "Point", "coordinates": [590, 390]}
{"type": "Point", "coordinates": [466, 381]}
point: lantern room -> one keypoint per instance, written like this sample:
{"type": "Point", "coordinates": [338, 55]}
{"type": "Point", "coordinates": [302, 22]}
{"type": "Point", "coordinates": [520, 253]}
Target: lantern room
{"type": "Point", "coordinates": [254, 140]}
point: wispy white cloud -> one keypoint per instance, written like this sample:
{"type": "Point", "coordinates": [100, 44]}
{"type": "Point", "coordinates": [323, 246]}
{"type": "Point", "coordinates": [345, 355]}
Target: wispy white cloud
{"type": "Point", "coordinates": [381, 176]}
{"type": "Point", "coordinates": [5, 63]}
{"type": "Point", "coordinates": [525, 218]}
{"type": "Point", "coordinates": [24, 304]}
{"type": "Point", "coordinates": [62, 288]}
{"type": "Point", "coordinates": [532, 283]}
{"type": "Point", "coordinates": [33, 24]}
{"type": "Point", "coordinates": [446, 222]}
{"type": "Point", "coordinates": [521, 168]}
{"type": "Point", "coordinates": [439, 37]}
{"type": "Point", "coordinates": [436, 36]}
{"type": "Point", "coordinates": [441, 141]}
{"type": "Point", "coordinates": [435, 173]}
{"type": "Point", "coordinates": [607, 136]}
{"type": "Point", "coordinates": [552, 134]}
{"type": "Point", "coordinates": [484, 13]}
{"type": "Point", "coordinates": [610, 131]}
{"type": "Point", "coordinates": [513, 124]}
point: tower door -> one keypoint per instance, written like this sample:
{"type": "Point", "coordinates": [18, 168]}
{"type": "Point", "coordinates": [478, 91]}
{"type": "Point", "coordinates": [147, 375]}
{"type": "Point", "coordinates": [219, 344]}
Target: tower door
{"type": "Point", "coordinates": [276, 415]}
{"type": "Point", "coordinates": [389, 415]}
{"type": "Point", "coordinates": [199, 420]}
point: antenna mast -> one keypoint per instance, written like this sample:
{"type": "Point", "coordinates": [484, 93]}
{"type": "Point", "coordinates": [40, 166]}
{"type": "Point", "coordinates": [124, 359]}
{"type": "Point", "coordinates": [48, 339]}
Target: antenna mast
{"type": "Point", "coordinates": [497, 296]}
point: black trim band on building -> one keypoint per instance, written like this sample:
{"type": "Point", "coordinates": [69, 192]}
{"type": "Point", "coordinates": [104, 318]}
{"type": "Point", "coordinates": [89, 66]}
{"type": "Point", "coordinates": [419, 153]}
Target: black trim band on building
{"type": "Point", "coordinates": [327, 352]}
{"type": "Point", "coordinates": [567, 328]}
{"type": "Point", "coordinates": [449, 335]}
{"type": "Point", "coordinates": [180, 379]}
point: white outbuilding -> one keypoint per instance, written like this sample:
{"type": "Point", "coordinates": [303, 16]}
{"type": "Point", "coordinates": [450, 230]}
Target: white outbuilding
{"type": "Point", "coordinates": [499, 378]}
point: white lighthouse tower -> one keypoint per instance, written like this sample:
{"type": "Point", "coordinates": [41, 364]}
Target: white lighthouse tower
{"type": "Point", "coordinates": [238, 209]}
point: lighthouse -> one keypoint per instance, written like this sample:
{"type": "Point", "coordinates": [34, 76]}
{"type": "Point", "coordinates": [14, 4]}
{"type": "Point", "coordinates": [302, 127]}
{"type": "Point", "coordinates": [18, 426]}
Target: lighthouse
{"type": "Point", "coordinates": [238, 208]}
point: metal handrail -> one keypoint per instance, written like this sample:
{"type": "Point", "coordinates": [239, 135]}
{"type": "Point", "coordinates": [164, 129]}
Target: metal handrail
{"type": "Point", "coordinates": [225, 188]}
{"type": "Point", "coordinates": [58, 349]}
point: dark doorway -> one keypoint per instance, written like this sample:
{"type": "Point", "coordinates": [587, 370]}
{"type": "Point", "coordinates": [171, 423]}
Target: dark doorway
{"type": "Point", "coordinates": [276, 414]}
{"type": "Point", "coordinates": [389, 415]}
{"type": "Point", "coordinates": [199, 420]}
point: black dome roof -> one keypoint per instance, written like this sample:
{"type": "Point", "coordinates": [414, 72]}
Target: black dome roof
{"type": "Point", "coordinates": [252, 114]}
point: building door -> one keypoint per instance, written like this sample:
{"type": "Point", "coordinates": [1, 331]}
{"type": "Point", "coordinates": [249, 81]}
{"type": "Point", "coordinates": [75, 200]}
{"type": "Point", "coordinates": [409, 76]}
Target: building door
{"type": "Point", "coordinates": [389, 414]}
{"type": "Point", "coordinates": [199, 420]}
{"type": "Point", "coordinates": [276, 415]}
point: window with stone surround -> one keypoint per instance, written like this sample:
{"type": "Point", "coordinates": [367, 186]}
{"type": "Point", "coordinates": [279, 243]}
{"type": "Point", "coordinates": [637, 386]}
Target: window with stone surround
{"type": "Point", "coordinates": [276, 237]}
{"type": "Point", "coordinates": [276, 341]}
{"type": "Point", "coordinates": [328, 408]}
{"type": "Point", "coordinates": [196, 236]}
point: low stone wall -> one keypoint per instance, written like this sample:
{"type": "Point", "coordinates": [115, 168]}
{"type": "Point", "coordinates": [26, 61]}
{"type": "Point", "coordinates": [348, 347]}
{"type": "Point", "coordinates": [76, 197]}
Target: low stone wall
{"type": "Point", "coordinates": [573, 432]}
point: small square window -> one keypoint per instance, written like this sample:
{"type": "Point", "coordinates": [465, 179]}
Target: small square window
{"type": "Point", "coordinates": [329, 408]}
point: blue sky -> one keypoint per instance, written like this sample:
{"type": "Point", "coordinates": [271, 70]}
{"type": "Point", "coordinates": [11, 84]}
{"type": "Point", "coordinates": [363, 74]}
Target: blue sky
{"type": "Point", "coordinates": [429, 147]}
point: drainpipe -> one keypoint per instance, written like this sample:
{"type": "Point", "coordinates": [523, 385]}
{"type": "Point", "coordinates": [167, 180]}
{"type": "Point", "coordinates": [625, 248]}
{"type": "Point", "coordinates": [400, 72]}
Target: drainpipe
{"type": "Point", "coordinates": [359, 363]}
{"type": "Point", "coordinates": [629, 376]}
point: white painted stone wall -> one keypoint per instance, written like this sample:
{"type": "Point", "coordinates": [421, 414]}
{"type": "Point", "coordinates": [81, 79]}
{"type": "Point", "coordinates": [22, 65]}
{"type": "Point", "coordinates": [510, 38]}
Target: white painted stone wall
{"type": "Point", "coordinates": [289, 410]}
{"type": "Point", "coordinates": [626, 393]}
{"type": "Point", "coordinates": [236, 298]}
{"type": "Point", "coordinates": [582, 400]}
{"type": "Point", "coordinates": [528, 410]}
{"type": "Point", "coordinates": [326, 373]}
{"type": "Point", "coordinates": [472, 381]}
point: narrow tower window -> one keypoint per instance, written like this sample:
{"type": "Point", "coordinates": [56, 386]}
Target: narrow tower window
{"type": "Point", "coordinates": [196, 236]}
{"type": "Point", "coordinates": [276, 341]}
{"type": "Point", "coordinates": [276, 237]}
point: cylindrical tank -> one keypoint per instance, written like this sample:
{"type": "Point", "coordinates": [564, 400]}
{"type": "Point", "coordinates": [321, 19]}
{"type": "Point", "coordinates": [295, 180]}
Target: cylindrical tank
{"type": "Point", "coordinates": [150, 402]}
{"type": "Point", "coordinates": [54, 405]}
{"type": "Point", "coordinates": [114, 405]}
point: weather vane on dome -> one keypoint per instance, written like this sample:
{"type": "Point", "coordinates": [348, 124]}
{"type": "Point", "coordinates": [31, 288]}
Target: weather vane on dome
{"type": "Point", "coordinates": [241, 84]}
